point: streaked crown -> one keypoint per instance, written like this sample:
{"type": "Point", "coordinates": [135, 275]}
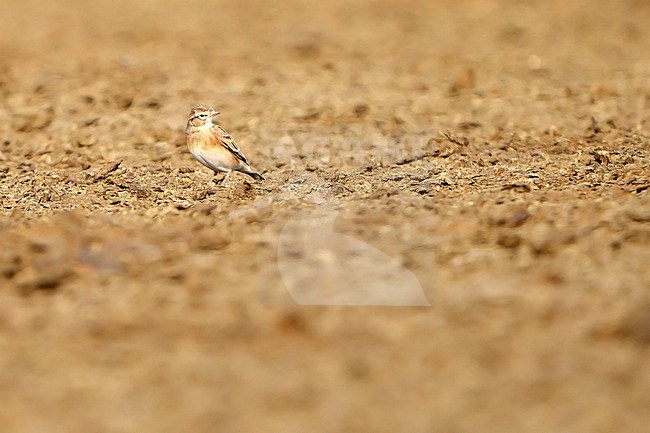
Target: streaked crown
{"type": "Point", "coordinates": [203, 111]}
{"type": "Point", "coordinates": [200, 115]}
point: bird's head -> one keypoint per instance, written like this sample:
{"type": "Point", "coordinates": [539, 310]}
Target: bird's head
{"type": "Point", "coordinates": [201, 114]}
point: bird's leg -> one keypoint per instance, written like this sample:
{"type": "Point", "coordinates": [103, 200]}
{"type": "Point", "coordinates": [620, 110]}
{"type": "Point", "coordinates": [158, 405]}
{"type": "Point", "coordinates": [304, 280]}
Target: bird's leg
{"type": "Point", "coordinates": [211, 190]}
{"type": "Point", "coordinates": [223, 181]}
{"type": "Point", "coordinates": [216, 180]}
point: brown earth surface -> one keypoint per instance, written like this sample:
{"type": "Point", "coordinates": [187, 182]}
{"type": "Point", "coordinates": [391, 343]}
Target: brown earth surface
{"type": "Point", "coordinates": [499, 150]}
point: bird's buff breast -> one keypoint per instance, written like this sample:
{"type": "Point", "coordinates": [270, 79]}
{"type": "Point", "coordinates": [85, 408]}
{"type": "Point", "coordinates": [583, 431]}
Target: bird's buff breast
{"type": "Point", "coordinates": [203, 147]}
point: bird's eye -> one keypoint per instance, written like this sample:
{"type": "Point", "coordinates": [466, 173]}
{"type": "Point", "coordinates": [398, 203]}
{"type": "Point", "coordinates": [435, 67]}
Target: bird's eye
{"type": "Point", "coordinates": [202, 116]}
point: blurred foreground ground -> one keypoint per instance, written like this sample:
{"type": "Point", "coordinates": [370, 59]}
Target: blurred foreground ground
{"type": "Point", "coordinates": [135, 299]}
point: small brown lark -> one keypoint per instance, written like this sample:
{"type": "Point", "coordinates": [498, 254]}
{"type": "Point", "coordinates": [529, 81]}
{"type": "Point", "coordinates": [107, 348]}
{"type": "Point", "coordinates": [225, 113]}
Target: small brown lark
{"type": "Point", "coordinates": [213, 147]}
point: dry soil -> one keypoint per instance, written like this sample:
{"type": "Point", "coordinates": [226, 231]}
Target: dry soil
{"type": "Point", "coordinates": [499, 150]}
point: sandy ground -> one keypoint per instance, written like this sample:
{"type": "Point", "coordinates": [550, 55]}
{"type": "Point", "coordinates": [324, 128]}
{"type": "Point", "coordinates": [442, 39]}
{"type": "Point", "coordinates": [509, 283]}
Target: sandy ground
{"type": "Point", "coordinates": [497, 151]}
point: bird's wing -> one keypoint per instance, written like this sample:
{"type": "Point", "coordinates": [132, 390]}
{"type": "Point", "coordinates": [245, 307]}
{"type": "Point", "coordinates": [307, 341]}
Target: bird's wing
{"type": "Point", "coordinates": [226, 141]}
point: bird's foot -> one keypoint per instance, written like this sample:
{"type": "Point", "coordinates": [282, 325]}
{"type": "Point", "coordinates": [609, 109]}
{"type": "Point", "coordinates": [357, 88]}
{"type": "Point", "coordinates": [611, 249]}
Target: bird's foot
{"type": "Point", "coordinates": [222, 181]}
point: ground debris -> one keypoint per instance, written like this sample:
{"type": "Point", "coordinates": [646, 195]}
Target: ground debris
{"type": "Point", "coordinates": [105, 169]}
{"type": "Point", "coordinates": [462, 141]}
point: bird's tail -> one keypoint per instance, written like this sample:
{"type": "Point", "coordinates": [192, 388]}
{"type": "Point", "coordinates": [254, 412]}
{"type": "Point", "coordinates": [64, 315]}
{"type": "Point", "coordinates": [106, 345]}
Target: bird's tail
{"type": "Point", "coordinates": [255, 175]}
